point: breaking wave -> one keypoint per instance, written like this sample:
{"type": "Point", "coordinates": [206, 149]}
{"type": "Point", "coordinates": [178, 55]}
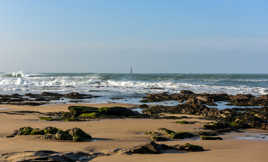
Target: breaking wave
{"type": "Point", "coordinates": [126, 84]}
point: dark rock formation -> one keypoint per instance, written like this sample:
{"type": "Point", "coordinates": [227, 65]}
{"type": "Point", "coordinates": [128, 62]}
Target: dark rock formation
{"type": "Point", "coordinates": [49, 156]}
{"type": "Point", "coordinates": [78, 113]}
{"type": "Point", "coordinates": [154, 148]}
{"type": "Point", "coordinates": [210, 138]}
{"type": "Point", "coordinates": [79, 135]}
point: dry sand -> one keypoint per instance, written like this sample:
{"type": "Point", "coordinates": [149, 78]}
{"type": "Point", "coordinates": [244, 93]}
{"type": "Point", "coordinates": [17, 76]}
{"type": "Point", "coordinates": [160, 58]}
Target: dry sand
{"type": "Point", "coordinates": [111, 134]}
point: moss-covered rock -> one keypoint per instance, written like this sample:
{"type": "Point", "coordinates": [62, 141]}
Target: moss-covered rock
{"type": "Point", "coordinates": [51, 130]}
{"type": "Point", "coordinates": [117, 111]}
{"type": "Point", "coordinates": [175, 135]}
{"type": "Point", "coordinates": [79, 135]}
{"type": "Point", "coordinates": [63, 135]}
{"type": "Point", "coordinates": [48, 137]}
{"type": "Point", "coordinates": [92, 115]}
{"type": "Point", "coordinates": [25, 131]}
{"type": "Point", "coordinates": [217, 125]}
{"type": "Point", "coordinates": [52, 133]}
{"type": "Point", "coordinates": [37, 131]}
{"type": "Point", "coordinates": [78, 110]}
{"type": "Point", "coordinates": [166, 131]}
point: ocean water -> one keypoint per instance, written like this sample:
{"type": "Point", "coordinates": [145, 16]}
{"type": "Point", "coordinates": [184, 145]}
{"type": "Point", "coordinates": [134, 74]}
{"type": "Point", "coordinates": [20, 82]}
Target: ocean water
{"type": "Point", "coordinates": [131, 87]}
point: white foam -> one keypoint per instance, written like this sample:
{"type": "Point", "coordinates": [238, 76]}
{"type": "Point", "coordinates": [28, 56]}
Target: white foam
{"type": "Point", "coordinates": [29, 83]}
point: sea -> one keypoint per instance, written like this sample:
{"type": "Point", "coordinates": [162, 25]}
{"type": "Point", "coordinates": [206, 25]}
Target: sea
{"type": "Point", "coordinates": [130, 88]}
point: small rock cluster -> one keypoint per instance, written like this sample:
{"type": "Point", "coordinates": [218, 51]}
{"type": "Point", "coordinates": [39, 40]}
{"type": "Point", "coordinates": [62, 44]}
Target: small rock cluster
{"type": "Point", "coordinates": [52, 133]}
{"type": "Point", "coordinates": [164, 134]}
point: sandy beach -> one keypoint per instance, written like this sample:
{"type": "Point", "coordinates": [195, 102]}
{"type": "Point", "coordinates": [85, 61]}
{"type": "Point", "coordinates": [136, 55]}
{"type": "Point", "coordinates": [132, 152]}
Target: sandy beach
{"type": "Point", "coordinates": [112, 134]}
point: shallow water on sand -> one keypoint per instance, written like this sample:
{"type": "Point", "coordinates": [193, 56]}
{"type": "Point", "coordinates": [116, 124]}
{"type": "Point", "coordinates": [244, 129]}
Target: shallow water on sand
{"type": "Point", "coordinates": [224, 105]}
{"type": "Point", "coordinates": [4, 109]}
{"type": "Point", "coordinates": [253, 136]}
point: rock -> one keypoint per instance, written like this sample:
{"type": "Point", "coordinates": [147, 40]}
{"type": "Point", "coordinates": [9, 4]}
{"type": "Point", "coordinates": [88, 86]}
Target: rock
{"type": "Point", "coordinates": [117, 111]}
{"type": "Point", "coordinates": [76, 95]}
{"type": "Point", "coordinates": [243, 100]}
{"type": "Point", "coordinates": [48, 156]}
{"type": "Point", "coordinates": [161, 109]}
{"type": "Point", "coordinates": [30, 103]}
{"type": "Point", "coordinates": [210, 138]}
{"type": "Point", "coordinates": [186, 92]}
{"type": "Point", "coordinates": [63, 135]}
{"type": "Point", "coordinates": [37, 131]}
{"type": "Point", "coordinates": [191, 148]}
{"type": "Point", "coordinates": [154, 148]}
{"type": "Point", "coordinates": [144, 106]}
{"type": "Point", "coordinates": [92, 115]}
{"type": "Point", "coordinates": [156, 97]}
{"type": "Point", "coordinates": [192, 108]}
{"type": "Point", "coordinates": [206, 100]}
{"type": "Point", "coordinates": [159, 138]}
{"type": "Point", "coordinates": [264, 126]}
{"type": "Point", "coordinates": [208, 133]}
{"type": "Point", "coordinates": [181, 135]}
{"type": "Point", "coordinates": [263, 97]}
{"type": "Point", "coordinates": [166, 131]}
{"type": "Point", "coordinates": [79, 135]}
{"type": "Point", "coordinates": [217, 126]}
{"type": "Point", "coordinates": [185, 122]}
{"type": "Point", "coordinates": [151, 148]}
{"type": "Point", "coordinates": [50, 130]}
{"type": "Point", "coordinates": [46, 118]}
{"type": "Point", "coordinates": [52, 133]}
{"type": "Point", "coordinates": [78, 110]}
{"type": "Point", "coordinates": [25, 131]}
{"type": "Point", "coordinates": [15, 133]}
{"type": "Point", "coordinates": [176, 135]}
{"type": "Point", "coordinates": [48, 137]}
{"type": "Point", "coordinates": [51, 94]}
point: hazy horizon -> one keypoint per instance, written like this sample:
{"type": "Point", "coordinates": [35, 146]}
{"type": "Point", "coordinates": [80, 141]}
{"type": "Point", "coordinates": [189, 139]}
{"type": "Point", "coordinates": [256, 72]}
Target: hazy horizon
{"type": "Point", "coordinates": [153, 36]}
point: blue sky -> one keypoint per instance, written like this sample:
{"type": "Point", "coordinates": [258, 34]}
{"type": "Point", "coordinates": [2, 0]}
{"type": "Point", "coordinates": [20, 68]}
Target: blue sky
{"type": "Point", "coordinates": [176, 36]}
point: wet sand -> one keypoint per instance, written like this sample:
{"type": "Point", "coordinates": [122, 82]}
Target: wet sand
{"type": "Point", "coordinates": [111, 134]}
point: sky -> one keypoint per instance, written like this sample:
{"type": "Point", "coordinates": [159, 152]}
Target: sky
{"type": "Point", "coordinates": [153, 36]}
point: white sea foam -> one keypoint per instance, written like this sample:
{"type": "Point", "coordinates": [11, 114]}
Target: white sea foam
{"type": "Point", "coordinates": [25, 83]}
